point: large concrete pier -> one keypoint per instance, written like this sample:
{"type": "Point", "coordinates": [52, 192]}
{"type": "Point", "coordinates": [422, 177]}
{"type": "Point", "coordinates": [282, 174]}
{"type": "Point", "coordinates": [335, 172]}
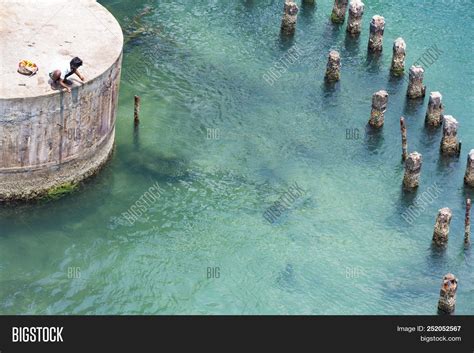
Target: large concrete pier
{"type": "Point", "coordinates": [49, 137]}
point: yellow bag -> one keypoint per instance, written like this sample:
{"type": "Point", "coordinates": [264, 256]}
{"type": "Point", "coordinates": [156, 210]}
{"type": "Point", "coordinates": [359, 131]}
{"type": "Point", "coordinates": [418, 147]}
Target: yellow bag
{"type": "Point", "coordinates": [26, 67]}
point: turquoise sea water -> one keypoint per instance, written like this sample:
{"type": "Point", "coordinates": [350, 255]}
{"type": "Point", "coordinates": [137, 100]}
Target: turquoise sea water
{"type": "Point", "coordinates": [342, 248]}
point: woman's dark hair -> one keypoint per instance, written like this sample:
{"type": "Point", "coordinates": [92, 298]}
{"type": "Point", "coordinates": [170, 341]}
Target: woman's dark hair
{"type": "Point", "coordinates": [76, 63]}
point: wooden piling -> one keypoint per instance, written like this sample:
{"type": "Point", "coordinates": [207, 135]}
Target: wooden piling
{"type": "Point", "coordinates": [467, 223]}
{"type": "Point", "coordinates": [403, 129]}
{"type": "Point", "coordinates": [136, 111]}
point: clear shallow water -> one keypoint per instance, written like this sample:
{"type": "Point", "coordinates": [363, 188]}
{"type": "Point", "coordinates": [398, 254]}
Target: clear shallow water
{"type": "Point", "coordinates": [343, 248]}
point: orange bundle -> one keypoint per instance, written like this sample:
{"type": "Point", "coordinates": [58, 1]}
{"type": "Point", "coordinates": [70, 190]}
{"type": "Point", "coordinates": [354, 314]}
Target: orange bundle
{"type": "Point", "coordinates": [26, 67]}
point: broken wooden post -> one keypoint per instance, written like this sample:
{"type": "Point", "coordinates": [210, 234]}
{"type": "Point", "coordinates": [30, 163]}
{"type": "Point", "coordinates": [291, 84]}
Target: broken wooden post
{"type": "Point", "coordinates": [467, 224]}
{"type": "Point", "coordinates": [398, 58]}
{"type": "Point", "coordinates": [404, 138]}
{"type": "Point", "coordinates": [288, 22]}
{"type": "Point", "coordinates": [415, 83]}
{"type": "Point", "coordinates": [449, 143]}
{"type": "Point", "coordinates": [447, 295]}
{"type": "Point", "coordinates": [411, 179]}
{"type": "Point", "coordinates": [434, 114]}
{"type": "Point", "coordinates": [339, 11]}
{"type": "Point", "coordinates": [379, 106]}
{"type": "Point", "coordinates": [377, 27]}
{"type": "Point", "coordinates": [469, 176]}
{"type": "Point", "coordinates": [356, 10]}
{"type": "Point", "coordinates": [333, 69]}
{"type": "Point", "coordinates": [441, 230]}
{"type": "Point", "coordinates": [136, 112]}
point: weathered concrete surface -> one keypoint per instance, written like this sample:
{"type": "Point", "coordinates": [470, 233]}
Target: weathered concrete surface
{"type": "Point", "coordinates": [411, 178]}
{"type": "Point", "coordinates": [377, 28]}
{"type": "Point", "coordinates": [290, 15]}
{"type": "Point", "coordinates": [416, 89]}
{"type": "Point", "coordinates": [339, 11]}
{"type": "Point", "coordinates": [469, 176]}
{"type": "Point", "coordinates": [449, 143]}
{"type": "Point", "coordinates": [333, 68]}
{"type": "Point", "coordinates": [379, 106]}
{"type": "Point", "coordinates": [447, 294]}
{"type": "Point", "coordinates": [50, 137]}
{"type": "Point", "coordinates": [434, 113]}
{"type": "Point", "coordinates": [356, 11]}
{"type": "Point", "coordinates": [441, 230]}
{"type": "Point", "coordinates": [398, 58]}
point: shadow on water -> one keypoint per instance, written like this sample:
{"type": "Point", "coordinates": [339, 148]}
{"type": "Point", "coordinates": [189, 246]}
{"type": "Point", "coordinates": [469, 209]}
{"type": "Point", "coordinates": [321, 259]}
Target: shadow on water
{"type": "Point", "coordinates": [407, 196]}
{"type": "Point", "coordinates": [249, 4]}
{"type": "Point", "coordinates": [394, 83]}
{"type": "Point", "coordinates": [446, 164]}
{"type": "Point", "coordinates": [352, 44]}
{"type": "Point", "coordinates": [373, 138]}
{"type": "Point", "coordinates": [68, 208]}
{"type": "Point", "coordinates": [286, 41]}
{"type": "Point", "coordinates": [373, 62]}
{"type": "Point", "coordinates": [437, 259]}
{"type": "Point", "coordinates": [307, 12]}
{"type": "Point", "coordinates": [430, 137]}
{"type": "Point", "coordinates": [330, 88]}
{"type": "Point", "coordinates": [149, 163]}
{"type": "Point", "coordinates": [467, 192]}
{"type": "Point", "coordinates": [286, 278]}
{"type": "Point", "coordinates": [331, 31]}
{"type": "Point", "coordinates": [136, 137]}
{"type": "Point", "coordinates": [413, 106]}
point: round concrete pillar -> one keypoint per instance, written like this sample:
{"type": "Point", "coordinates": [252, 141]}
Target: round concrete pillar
{"type": "Point", "coordinates": [49, 137]}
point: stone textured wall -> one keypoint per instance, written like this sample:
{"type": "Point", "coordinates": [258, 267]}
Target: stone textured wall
{"type": "Point", "coordinates": [47, 141]}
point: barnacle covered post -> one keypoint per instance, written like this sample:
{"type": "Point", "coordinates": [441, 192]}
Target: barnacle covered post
{"type": "Point", "coordinates": [441, 229]}
{"type": "Point", "coordinates": [398, 57]}
{"type": "Point", "coordinates": [339, 11]}
{"type": "Point", "coordinates": [469, 175]}
{"type": "Point", "coordinates": [379, 106]}
{"type": "Point", "coordinates": [434, 113]}
{"type": "Point", "coordinates": [377, 28]}
{"type": "Point", "coordinates": [290, 14]}
{"type": "Point", "coordinates": [356, 10]}
{"type": "Point", "coordinates": [411, 178]}
{"type": "Point", "coordinates": [449, 143]}
{"type": "Point", "coordinates": [333, 68]}
{"type": "Point", "coordinates": [415, 83]}
{"type": "Point", "coordinates": [447, 294]}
